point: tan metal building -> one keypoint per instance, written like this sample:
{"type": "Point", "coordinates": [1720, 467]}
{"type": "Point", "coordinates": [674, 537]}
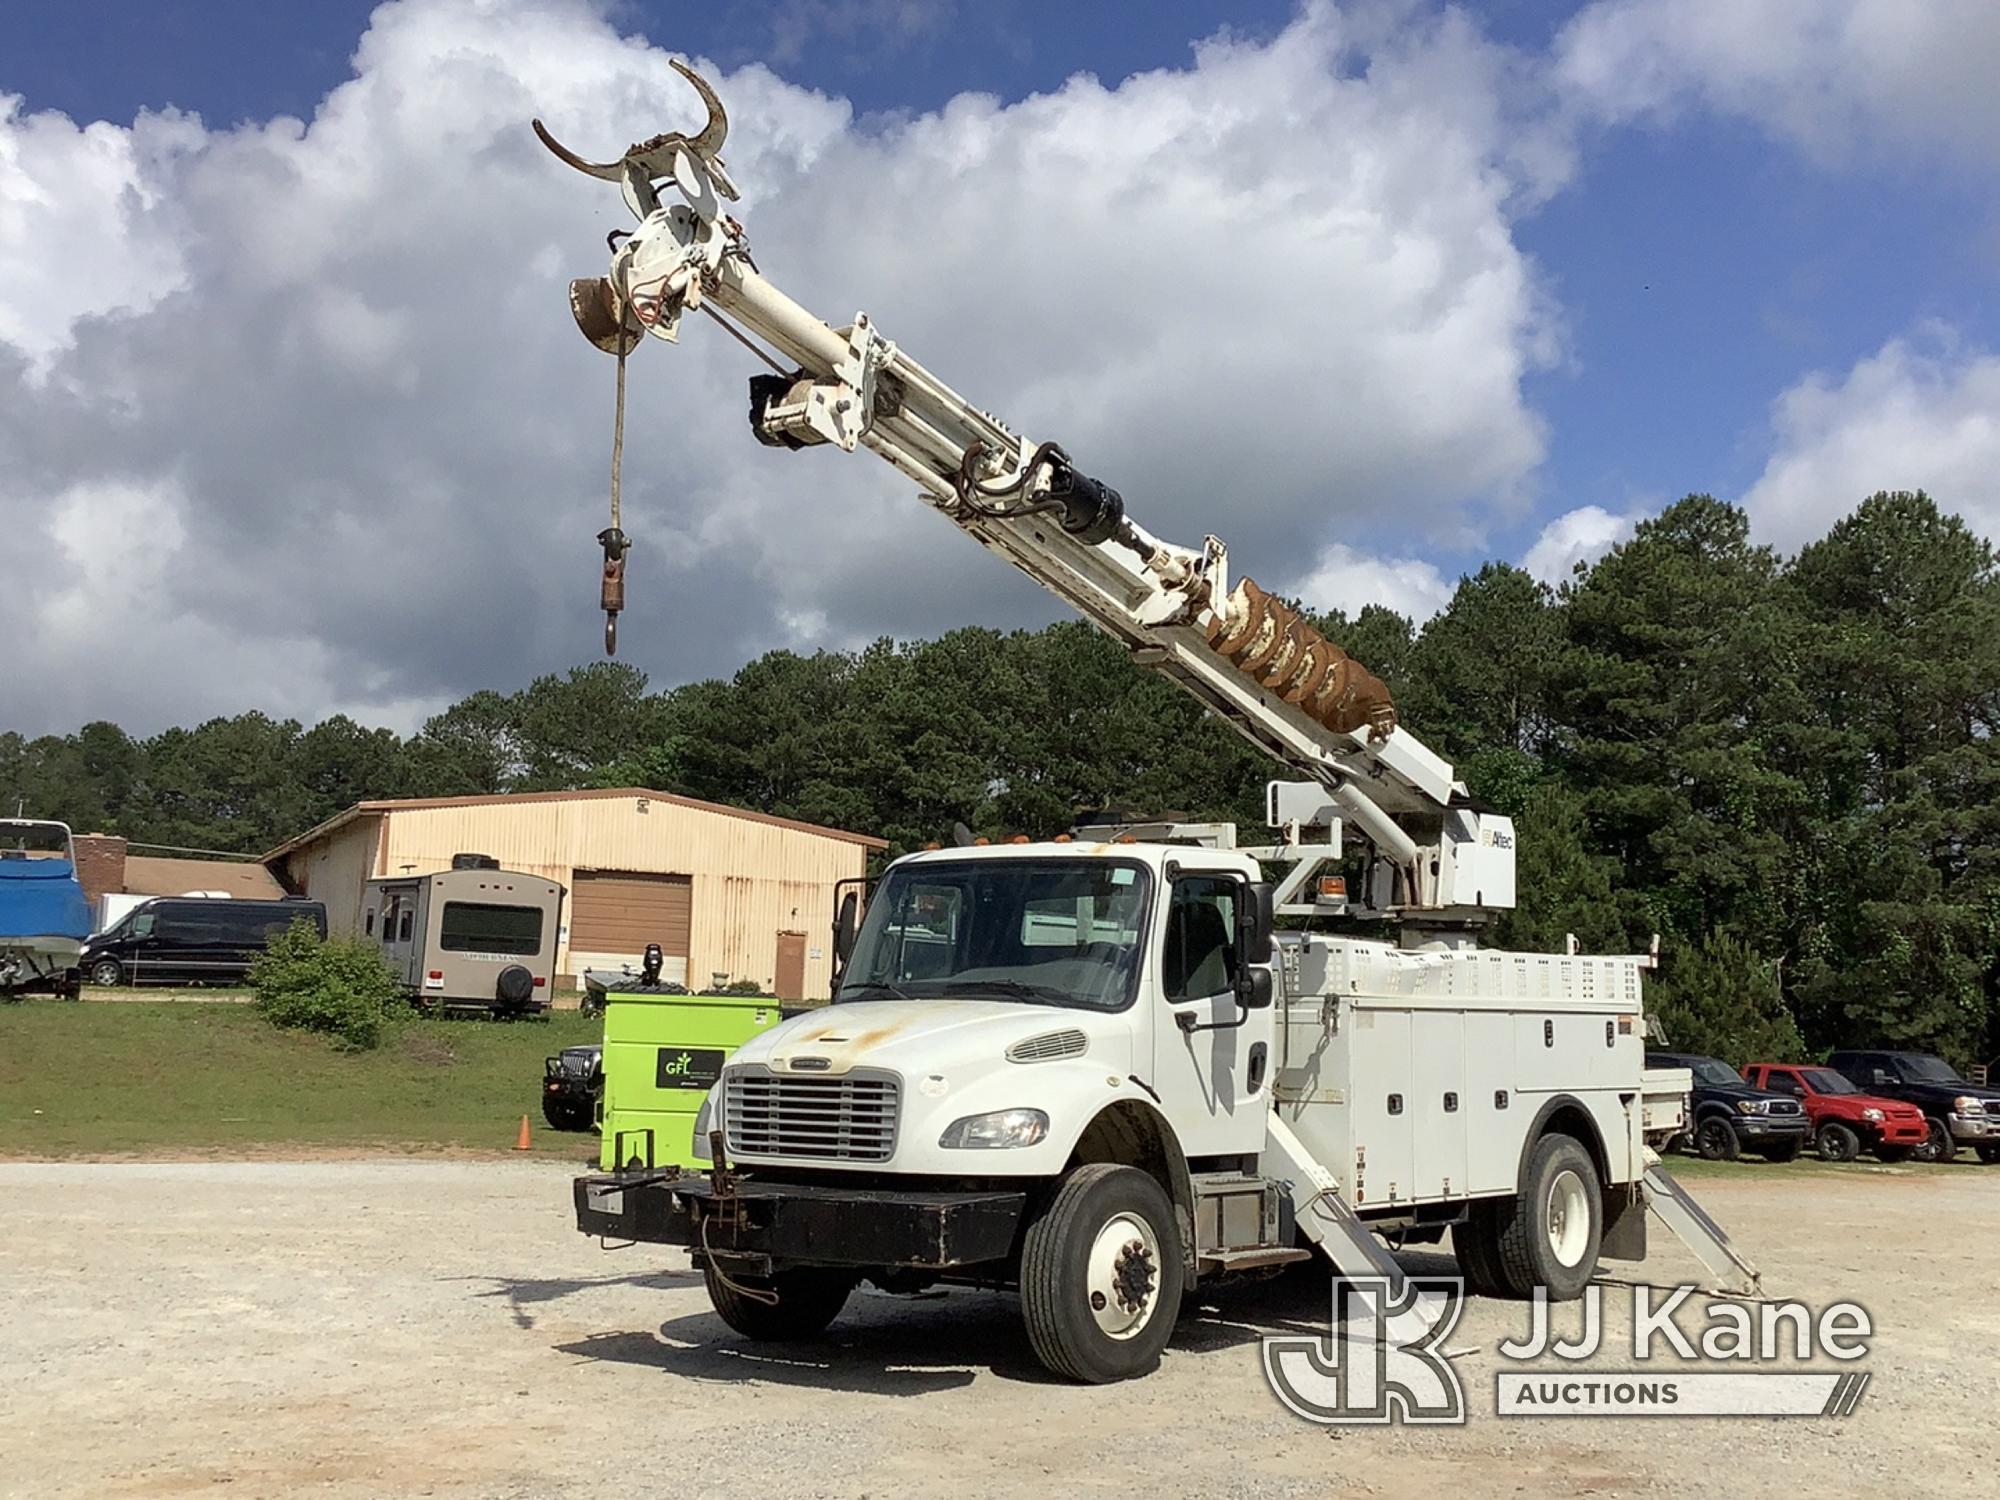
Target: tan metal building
{"type": "Point", "coordinates": [728, 894]}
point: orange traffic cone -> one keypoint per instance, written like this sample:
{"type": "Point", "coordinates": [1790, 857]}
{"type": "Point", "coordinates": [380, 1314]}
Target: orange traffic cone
{"type": "Point", "coordinates": [521, 1140]}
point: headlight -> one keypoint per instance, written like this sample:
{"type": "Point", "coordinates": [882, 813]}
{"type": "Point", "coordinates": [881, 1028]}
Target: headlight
{"type": "Point", "coordinates": [997, 1131]}
{"type": "Point", "coordinates": [1871, 1114]}
{"type": "Point", "coordinates": [1750, 1106]}
{"type": "Point", "coordinates": [702, 1117]}
{"type": "Point", "coordinates": [1965, 1104]}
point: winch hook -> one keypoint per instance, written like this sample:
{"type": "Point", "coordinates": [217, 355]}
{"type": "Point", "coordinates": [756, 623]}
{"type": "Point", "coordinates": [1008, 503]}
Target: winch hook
{"type": "Point", "coordinates": [611, 594]}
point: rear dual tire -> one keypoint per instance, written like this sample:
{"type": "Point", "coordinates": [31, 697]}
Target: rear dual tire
{"type": "Point", "coordinates": [1547, 1235]}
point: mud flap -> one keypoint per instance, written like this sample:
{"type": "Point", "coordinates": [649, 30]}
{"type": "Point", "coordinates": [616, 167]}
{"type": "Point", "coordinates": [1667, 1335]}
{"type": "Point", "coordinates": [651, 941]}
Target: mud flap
{"type": "Point", "coordinates": [1733, 1272]}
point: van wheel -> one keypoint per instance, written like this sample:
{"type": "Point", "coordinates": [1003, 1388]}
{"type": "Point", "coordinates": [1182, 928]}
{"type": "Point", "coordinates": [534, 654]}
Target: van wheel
{"type": "Point", "coordinates": [1837, 1142]}
{"type": "Point", "coordinates": [1550, 1233]}
{"type": "Point", "coordinates": [1475, 1241]}
{"type": "Point", "coordinates": [807, 1299]}
{"type": "Point", "coordinates": [1715, 1139]}
{"type": "Point", "coordinates": [107, 972]}
{"type": "Point", "coordinates": [1101, 1275]}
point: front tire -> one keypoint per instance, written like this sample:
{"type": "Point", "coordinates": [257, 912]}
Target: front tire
{"type": "Point", "coordinates": [808, 1299]}
{"type": "Point", "coordinates": [1838, 1142]}
{"type": "Point", "coordinates": [1715, 1139]}
{"type": "Point", "coordinates": [1550, 1234]}
{"type": "Point", "coordinates": [1940, 1146]}
{"type": "Point", "coordinates": [1101, 1275]}
{"type": "Point", "coordinates": [1988, 1152]}
{"type": "Point", "coordinates": [107, 972]}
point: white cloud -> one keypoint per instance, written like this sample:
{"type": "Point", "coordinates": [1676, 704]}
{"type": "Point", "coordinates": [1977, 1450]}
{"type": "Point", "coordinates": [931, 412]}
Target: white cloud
{"type": "Point", "coordinates": [1832, 76]}
{"type": "Point", "coordinates": [1578, 536]}
{"type": "Point", "coordinates": [1921, 413]}
{"type": "Point", "coordinates": [1273, 294]}
{"type": "Point", "coordinates": [83, 228]}
{"type": "Point", "coordinates": [1347, 580]}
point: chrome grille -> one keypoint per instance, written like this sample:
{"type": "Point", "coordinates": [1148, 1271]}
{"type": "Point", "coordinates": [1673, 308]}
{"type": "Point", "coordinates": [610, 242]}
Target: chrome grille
{"type": "Point", "coordinates": [1782, 1107]}
{"type": "Point", "coordinates": [849, 1117]}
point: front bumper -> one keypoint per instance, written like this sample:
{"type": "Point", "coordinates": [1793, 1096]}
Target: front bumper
{"type": "Point", "coordinates": [1898, 1132]}
{"type": "Point", "coordinates": [1770, 1127]}
{"type": "Point", "coordinates": [1973, 1127]}
{"type": "Point", "coordinates": [770, 1224]}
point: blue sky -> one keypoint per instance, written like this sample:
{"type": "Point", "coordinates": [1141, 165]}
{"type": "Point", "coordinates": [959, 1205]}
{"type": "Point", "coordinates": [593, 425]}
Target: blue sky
{"type": "Point", "coordinates": [1754, 268]}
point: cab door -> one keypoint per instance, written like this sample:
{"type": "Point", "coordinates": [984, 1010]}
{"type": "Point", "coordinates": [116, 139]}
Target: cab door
{"type": "Point", "coordinates": [1211, 1057]}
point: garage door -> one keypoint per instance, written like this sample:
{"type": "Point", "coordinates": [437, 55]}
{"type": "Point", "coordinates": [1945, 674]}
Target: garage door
{"type": "Point", "coordinates": [615, 913]}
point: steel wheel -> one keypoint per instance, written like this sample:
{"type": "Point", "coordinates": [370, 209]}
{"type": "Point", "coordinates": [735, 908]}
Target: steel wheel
{"type": "Point", "coordinates": [1123, 1277]}
{"type": "Point", "coordinates": [1567, 1218]}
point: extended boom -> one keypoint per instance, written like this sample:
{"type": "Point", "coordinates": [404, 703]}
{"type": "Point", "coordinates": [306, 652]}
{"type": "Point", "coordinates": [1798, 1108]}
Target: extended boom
{"type": "Point", "coordinates": [1250, 657]}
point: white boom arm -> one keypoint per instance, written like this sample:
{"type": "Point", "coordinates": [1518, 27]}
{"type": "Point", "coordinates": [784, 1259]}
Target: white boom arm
{"type": "Point", "coordinates": [1248, 656]}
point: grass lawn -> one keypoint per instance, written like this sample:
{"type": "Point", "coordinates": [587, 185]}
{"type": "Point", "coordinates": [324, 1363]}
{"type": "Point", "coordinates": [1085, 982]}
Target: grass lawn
{"type": "Point", "coordinates": [169, 1078]}
{"type": "Point", "coordinates": [1695, 1169]}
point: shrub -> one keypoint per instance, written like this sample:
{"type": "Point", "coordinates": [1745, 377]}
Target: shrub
{"type": "Point", "coordinates": [745, 987]}
{"type": "Point", "coordinates": [336, 985]}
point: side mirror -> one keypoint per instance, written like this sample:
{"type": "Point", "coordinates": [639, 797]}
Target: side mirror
{"type": "Point", "coordinates": [847, 927]}
{"type": "Point", "coordinates": [1255, 923]}
{"type": "Point", "coordinates": [1253, 989]}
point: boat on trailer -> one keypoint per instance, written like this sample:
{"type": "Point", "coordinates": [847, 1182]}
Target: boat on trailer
{"type": "Point", "coordinates": [44, 917]}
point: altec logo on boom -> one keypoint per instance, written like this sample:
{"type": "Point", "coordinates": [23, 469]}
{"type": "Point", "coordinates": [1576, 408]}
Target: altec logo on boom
{"type": "Point", "coordinates": [1387, 1360]}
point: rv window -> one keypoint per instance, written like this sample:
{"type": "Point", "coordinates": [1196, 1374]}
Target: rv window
{"type": "Point", "coordinates": [403, 928]}
{"type": "Point", "coordinates": [368, 925]}
{"type": "Point", "coordinates": [474, 927]}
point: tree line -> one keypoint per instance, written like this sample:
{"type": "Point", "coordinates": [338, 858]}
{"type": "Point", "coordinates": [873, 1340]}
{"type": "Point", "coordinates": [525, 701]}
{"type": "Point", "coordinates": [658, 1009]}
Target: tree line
{"type": "Point", "coordinates": [1784, 766]}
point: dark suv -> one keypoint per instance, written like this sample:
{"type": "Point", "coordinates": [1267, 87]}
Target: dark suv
{"type": "Point", "coordinates": [1958, 1113]}
{"type": "Point", "coordinates": [1727, 1116]}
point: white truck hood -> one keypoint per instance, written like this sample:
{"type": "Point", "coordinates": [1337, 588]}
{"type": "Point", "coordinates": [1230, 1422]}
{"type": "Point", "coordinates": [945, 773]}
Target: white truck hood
{"type": "Point", "coordinates": [921, 1037]}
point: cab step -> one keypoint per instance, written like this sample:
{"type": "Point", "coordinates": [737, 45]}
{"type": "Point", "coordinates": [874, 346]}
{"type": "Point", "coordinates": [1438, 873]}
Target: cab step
{"type": "Point", "coordinates": [1220, 1262]}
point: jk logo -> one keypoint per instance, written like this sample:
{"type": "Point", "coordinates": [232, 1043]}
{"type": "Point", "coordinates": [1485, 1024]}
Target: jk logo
{"type": "Point", "coordinates": [1383, 1361]}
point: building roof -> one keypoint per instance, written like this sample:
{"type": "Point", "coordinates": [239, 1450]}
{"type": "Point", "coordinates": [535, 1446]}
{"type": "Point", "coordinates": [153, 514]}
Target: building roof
{"type": "Point", "coordinates": [507, 799]}
{"type": "Point", "coordinates": [150, 875]}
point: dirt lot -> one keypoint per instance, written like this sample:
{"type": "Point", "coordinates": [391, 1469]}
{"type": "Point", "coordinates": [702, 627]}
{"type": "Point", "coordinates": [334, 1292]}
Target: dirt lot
{"type": "Point", "coordinates": [439, 1328]}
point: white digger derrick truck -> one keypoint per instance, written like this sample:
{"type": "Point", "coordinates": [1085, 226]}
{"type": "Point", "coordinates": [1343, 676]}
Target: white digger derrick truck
{"type": "Point", "coordinates": [1093, 1069]}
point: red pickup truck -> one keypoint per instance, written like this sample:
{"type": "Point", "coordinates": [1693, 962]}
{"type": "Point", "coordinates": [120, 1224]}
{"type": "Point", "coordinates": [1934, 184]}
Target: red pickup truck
{"type": "Point", "coordinates": [1844, 1120]}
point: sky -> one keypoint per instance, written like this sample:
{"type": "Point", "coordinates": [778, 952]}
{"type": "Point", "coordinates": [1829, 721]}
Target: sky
{"type": "Point", "coordinates": [293, 417]}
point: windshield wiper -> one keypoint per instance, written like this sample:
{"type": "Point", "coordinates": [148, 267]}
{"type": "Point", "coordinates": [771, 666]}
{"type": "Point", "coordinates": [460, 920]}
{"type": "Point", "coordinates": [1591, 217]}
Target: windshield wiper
{"type": "Point", "coordinates": [1039, 994]}
{"type": "Point", "coordinates": [849, 991]}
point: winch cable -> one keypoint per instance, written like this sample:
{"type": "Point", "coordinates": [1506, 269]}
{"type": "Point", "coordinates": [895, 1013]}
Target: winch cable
{"type": "Point", "coordinates": [611, 592]}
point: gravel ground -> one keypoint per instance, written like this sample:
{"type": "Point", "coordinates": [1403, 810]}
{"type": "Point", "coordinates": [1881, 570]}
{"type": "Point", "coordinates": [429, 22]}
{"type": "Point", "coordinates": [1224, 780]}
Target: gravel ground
{"type": "Point", "coordinates": [439, 1328]}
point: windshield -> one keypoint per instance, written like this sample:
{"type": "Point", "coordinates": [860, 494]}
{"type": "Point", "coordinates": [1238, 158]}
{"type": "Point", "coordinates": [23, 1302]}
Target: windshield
{"type": "Point", "coordinates": [1716, 1074]}
{"type": "Point", "coordinates": [27, 839]}
{"type": "Point", "coordinates": [1052, 931]}
{"type": "Point", "coordinates": [1928, 1069]}
{"type": "Point", "coordinates": [1826, 1081]}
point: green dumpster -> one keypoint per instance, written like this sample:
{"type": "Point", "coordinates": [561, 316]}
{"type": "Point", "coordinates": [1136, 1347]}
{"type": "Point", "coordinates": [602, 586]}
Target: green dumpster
{"type": "Point", "coordinates": [662, 1051]}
